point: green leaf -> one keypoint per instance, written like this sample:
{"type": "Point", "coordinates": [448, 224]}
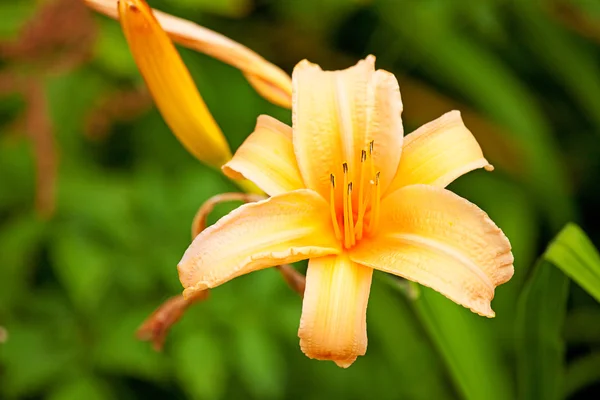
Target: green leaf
{"type": "Point", "coordinates": [14, 15]}
{"type": "Point", "coordinates": [116, 349]}
{"type": "Point", "coordinates": [394, 328]}
{"type": "Point", "coordinates": [17, 172]}
{"type": "Point", "coordinates": [583, 326]}
{"type": "Point", "coordinates": [111, 51]}
{"type": "Point", "coordinates": [200, 365]}
{"type": "Point", "coordinates": [492, 192]}
{"type": "Point", "coordinates": [571, 61]}
{"type": "Point", "coordinates": [466, 343]}
{"type": "Point", "coordinates": [258, 360]}
{"type": "Point", "coordinates": [540, 347]}
{"type": "Point", "coordinates": [226, 8]}
{"type": "Point", "coordinates": [87, 388]}
{"type": "Point", "coordinates": [456, 60]}
{"type": "Point", "coordinates": [581, 373]}
{"type": "Point", "coordinates": [33, 358]}
{"type": "Point", "coordinates": [573, 252]}
{"type": "Point", "coordinates": [19, 239]}
{"type": "Point", "coordinates": [83, 266]}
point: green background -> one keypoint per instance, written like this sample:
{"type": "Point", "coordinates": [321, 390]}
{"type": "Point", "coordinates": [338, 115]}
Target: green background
{"type": "Point", "coordinates": [97, 196]}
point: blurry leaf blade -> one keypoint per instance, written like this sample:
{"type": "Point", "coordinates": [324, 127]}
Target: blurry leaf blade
{"type": "Point", "coordinates": [582, 326]}
{"type": "Point", "coordinates": [540, 346]}
{"type": "Point", "coordinates": [19, 240]}
{"type": "Point", "coordinates": [573, 252]}
{"type": "Point", "coordinates": [411, 358]}
{"type": "Point", "coordinates": [111, 51]}
{"type": "Point", "coordinates": [118, 351]}
{"type": "Point", "coordinates": [259, 362]}
{"type": "Point", "coordinates": [31, 360]}
{"type": "Point", "coordinates": [83, 266]}
{"type": "Point", "coordinates": [200, 365]}
{"type": "Point", "coordinates": [15, 15]}
{"type": "Point", "coordinates": [573, 65]}
{"type": "Point", "coordinates": [465, 342]}
{"type": "Point", "coordinates": [87, 388]}
{"type": "Point", "coordinates": [582, 373]}
{"type": "Point", "coordinates": [226, 8]}
{"type": "Point", "coordinates": [449, 56]}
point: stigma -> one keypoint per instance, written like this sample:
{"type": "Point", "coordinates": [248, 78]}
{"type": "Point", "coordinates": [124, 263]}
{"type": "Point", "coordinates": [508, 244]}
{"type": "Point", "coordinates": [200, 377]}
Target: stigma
{"type": "Point", "coordinates": [358, 213]}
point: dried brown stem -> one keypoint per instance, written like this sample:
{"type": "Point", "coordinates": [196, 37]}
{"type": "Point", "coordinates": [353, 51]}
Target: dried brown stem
{"type": "Point", "coordinates": [293, 278]}
{"type": "Point", "coordinates": [199, 222]}
{"type": "Point", "coordinates": [157, 325]}
{"type": "Point", "coordinates": [3, 335]}
{"type": "Point", "coordinates": [39, 129]}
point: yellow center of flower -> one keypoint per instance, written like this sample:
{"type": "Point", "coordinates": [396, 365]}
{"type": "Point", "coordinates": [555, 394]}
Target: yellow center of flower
{"type": "Point", "coordinates": [348, 220]}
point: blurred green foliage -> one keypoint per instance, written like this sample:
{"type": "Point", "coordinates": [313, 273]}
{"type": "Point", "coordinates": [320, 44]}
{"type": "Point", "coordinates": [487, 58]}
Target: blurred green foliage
{"type": "Point", "coordinates": [78, 276]}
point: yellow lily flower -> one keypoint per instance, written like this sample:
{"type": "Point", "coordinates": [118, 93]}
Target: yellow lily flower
{"type": "Point", "coordinates": [350, 194]}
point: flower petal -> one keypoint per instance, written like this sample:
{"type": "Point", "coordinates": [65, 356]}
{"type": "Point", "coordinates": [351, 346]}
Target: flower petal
{"type": "Point", "coordinates": [171, 85]}
{"type": "Point", "coordinates": [438, 239]}
{"type": "Point", "coordinates": [335, 116]}
{"type": "Point", "coordinates": [267, 79]}
{"type": "Point", "coordinates": [282, 229]}
{"type": "Point", "coordinates": [333, 324]}
{"type": "Point", "coordinates": [437, 153]}
{"type": "Point", "coordinates": [267, 158]}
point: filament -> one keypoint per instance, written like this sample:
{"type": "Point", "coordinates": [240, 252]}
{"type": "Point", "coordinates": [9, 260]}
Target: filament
{"type": "Point", "coordinates": [361, 193]}
{"type": "Point", "coordinates": [350, 217]}
{"type": "Point", "coordinates": [336, 226]}
{"type": "Point", "coordinates": [375, 205]}
{"type": "Point", "coordinates": [347, 240]}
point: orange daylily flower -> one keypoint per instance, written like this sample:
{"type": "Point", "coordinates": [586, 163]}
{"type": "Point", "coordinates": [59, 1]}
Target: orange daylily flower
{"type": "Point", "coordinates": [352, 195]}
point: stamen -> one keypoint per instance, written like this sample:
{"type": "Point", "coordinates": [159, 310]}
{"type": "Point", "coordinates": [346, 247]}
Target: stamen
{"type": "Point", "coordinates": [350, 216]}
{"type": "Point", "coordinates": [373, 223]}
{"type": "Point", "coordinates": [347, 240]}
{"type": "Point", "coordinates": [362, 203]}
{"type": "Point", "coordinates": [336, 226]}
{"type": "Point", "coordinates": [371, 163]}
